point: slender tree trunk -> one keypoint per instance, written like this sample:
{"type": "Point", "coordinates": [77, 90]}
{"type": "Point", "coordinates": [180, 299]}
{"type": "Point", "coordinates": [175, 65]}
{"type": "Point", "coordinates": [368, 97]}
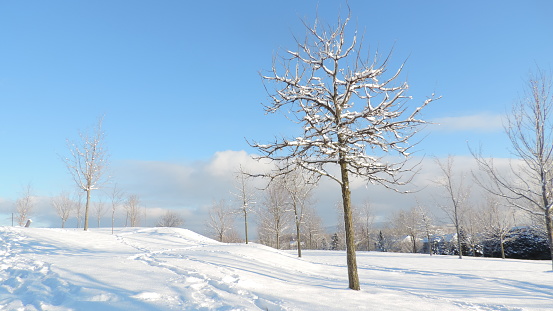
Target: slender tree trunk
{"type": "Point", "coordinates": [298, 237]}
{"type": "Point", "coordinates": [549, 225]}
{"type": "Point", "coordinates": [246, 224]}
{"type": "Point", "coordinates": [459, 242]}
{"type": "Point", "coordinates": [502, 242]}
{"type": "Point", "coordinates": [429, 243]}
{"type": "Point", "coordinates": [348, 221]}
{"type": "Point", "coordinates": [458, 229]}
{"type": "Point", "coordinates": [86, 210]}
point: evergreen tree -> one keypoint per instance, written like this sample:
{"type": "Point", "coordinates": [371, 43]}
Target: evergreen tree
{"type": "Point", "coordinates": [381, 246]}
{"type": "Point", "coordinates": [335, 242]}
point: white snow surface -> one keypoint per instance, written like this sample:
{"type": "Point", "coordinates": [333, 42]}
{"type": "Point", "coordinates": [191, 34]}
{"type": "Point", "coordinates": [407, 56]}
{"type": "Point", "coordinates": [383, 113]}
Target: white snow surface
{"type": "Point", "coordinates": [177, 269]}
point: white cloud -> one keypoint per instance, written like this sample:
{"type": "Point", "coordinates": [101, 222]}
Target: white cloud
{"type": "Point", "coordinates": [190, 188]}
{"type": "Point", "coordinates": [226, 163]}
{"type": "Point", "coordinates": [193, 187]}
{"type": "Point", "coordinates": [485, 122]}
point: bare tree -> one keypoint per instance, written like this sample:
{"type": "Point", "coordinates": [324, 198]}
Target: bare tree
{"type": "Point", "coordinates": [427, 226]}
{"type": "Point", "coordinates": [63, 206]}
{"type": "Point", "coordinates": [313, 227]}
{"type": "Point", "coordinates": [299, 185]}
{"type": "Point", "coordinates": [99, 210]}
{"type": "Point", "coordinates": [457, 193]}
{"type": "Point", "coordinates": [170, 219]}
{"type": "Point", "coordinates": [274, 216]}
{"type": "Point", "coordinates": [498, 220]}
{"type": "Point", "coordinates": [350, 113]}
{"type": "Point", "coordinates": [245, 196]}
{"type": "Point", "coordinates": [78, 207]}
{"type": "Point", "coordinates": [116, 197]}
{"type": "Point", "coordinates": [408, 223]}
{"type": "Point", "coordinates": [528, 183]}
{"type": "Point", "coordinates": [24, 205]}
{"type": "Point", "coordinates": [88, 163]}
{"type": "Point", "coordinates": [366, 219]}
{"type": "Point", "coordinates": [473, 228]}
{"type": "Point", "coordinates": [134, 212]}
{"type": "Point", "coordinates": [221, 221]}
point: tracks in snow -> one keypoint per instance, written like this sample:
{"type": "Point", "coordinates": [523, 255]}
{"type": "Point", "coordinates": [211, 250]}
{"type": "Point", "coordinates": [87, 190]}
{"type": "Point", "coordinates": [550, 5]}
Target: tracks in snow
{"type": "Point", "coordinates": [218, 291]}
{"type": "Point", "coordinates": [28, 284]}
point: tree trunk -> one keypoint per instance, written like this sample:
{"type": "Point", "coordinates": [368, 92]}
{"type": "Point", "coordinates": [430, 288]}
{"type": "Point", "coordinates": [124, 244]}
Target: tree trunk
{"type": "Point", "coordinates": [246, 224]}
{"type": "Point", "coordinates": [502, 242]}
{"type": "Point", "coordinates": [86, 210]}
{"type": "Point", "coordinates": [459, 246]}
{"type": "Point", "coordinates": [549, 225]}
{"type": "Point", "coordinates": [298, 238]}
{"type": "Point", "coordinates": [348, 221]}
{"type": "Point", "coordinates": [458, 229]}
{"type": "Point", "coordinates": [429, 244]}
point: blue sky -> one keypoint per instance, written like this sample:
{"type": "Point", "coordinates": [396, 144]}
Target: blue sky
{"type": "Point", "coordinates": [178, 81]}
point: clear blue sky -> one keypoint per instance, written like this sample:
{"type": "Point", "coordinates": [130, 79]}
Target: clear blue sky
{"type": "Point", "coordinates": [179, 80]}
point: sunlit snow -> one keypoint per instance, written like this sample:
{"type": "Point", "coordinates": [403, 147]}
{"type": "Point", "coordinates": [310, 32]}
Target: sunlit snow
{"type": "Point", "coordinates": [176, 269]}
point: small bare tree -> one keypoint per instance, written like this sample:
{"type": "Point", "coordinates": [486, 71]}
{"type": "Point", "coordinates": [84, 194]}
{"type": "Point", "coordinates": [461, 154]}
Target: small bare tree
{"type": "Point", "coordinates": [313, 228]}
{"type": "Point", "coordinates": [245, 196]}
{"type": "Point", "coordinates": [366, 219]}
{"type": "Point", "coordinates": [116, 197]}
{"type": "Point", "coordinates": [408, 223]}
{"type": "Point", "coordinates": [24, 205]}
{"type": "Point", "coordinates": [299, 185]}
{"type": "Point", "coordinates": [473, 227]}
{"type": "Point", "coordinates": [274, 216]}
{"type": "Point", "coordinates": [78, 197]}
{"type": "Point", "coordinates": [134, 212]}
{"type": "Point", "coordinates": [99, 210]}
{"type": "Point", "coordinates": [170, 219]}
{"type": "Point", "coordinates": [427, 226]}
{"type": "Point", "coordinates": [351, 114]}
{"type": "Point", "coordinates": [88, 163]}
{"type": "Point", "coordinates": [63, 206]}
{"type": "Point", "coordinates": [457, 193]}
{"type": "Point", "coordinates": [498, 221]}
{"type": "Point", "coordinates": [528, 183]}
{"type": "Point", "coordinates": [221, 221]}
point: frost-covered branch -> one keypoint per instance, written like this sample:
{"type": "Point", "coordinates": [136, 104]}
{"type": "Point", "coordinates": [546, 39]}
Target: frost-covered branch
{"type": "Point", "coordinates": [88, 162]}
{"type": "Point", "coordinates": [529, 127]}
{"type": "Point", "coordinates": [352, 113]}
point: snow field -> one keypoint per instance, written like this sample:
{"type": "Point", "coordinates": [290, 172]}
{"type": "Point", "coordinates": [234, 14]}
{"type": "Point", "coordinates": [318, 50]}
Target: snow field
{"type": "Point", "coordinates": [176, 269]}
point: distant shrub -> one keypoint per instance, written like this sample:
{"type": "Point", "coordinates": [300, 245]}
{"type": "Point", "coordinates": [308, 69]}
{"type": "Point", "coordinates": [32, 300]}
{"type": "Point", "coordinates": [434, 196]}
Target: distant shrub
{"type": "Point", "coordinates": [522, 243]}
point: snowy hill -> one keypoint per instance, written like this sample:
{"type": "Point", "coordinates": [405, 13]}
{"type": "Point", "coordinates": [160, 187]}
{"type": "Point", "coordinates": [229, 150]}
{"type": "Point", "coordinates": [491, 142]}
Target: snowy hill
{"type": "Point", "coordinates": [176, 269]}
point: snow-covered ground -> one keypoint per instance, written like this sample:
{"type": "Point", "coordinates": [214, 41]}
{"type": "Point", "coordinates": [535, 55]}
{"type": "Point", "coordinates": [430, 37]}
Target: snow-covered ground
{"type": "Point", "coordinates": [176, 269]}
